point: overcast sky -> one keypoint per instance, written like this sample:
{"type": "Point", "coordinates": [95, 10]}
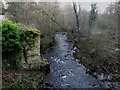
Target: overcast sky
{"type": "Point", "coordinates": [101, 6]}
{"type": "Point", "coordinates": [85, 4]}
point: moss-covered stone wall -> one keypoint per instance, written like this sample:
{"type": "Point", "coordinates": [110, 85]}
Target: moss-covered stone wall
{"type": "Point", "coordinates": [32, 55]}
{"type": "Point", "coordinates": [21, 47]}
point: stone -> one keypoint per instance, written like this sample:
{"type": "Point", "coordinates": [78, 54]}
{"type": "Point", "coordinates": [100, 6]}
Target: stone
{"type": "Point", "coordinates": [34, 59]}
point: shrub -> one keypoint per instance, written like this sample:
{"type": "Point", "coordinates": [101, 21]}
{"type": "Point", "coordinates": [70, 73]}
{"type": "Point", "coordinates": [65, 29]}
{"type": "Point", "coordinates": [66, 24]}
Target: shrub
{"type": "Point", "coordinates": [11, 44]}
{"type": "Point", "coordinates": [10, 36]}
{"type": "Point", "coordinates": [14, 39]}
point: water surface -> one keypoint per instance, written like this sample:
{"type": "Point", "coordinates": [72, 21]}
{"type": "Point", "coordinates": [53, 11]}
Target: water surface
{"type": "Point", "coordinates": [66, 72]}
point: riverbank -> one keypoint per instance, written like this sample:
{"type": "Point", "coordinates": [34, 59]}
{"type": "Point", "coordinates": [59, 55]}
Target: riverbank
{"type": "Point", "coordinates": [99, 73]}
{"type": "Point", "coordinates": [30, 78]}
{"type": "Point", "coordinates": [100, 58]}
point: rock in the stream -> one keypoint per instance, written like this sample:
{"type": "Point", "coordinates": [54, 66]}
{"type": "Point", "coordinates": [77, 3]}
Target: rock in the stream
{"type": "Point", "coordinates": [95, 74]}
{"type": "Point", "coordinates": [47, 84]}
{"type": "Point", "coordinates": [108, 85]}
{"type": "Point", "coordinates": [44, 85]}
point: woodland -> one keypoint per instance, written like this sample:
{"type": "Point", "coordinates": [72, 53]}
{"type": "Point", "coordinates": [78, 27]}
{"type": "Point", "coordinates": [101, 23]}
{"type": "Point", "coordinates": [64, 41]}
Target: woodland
{"type": "Point", "coordinates": [37, 28]}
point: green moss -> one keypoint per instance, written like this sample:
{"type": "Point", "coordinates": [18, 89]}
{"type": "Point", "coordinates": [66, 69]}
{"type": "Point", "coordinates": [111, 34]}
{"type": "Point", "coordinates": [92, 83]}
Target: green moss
{"type": "Point", "coordinates": [31, 36]}
{"type": "Point", "coordinates": [35, 32]}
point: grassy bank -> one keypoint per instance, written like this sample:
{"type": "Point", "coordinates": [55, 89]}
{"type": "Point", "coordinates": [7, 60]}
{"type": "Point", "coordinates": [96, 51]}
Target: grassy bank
{"type": "Point", "coordinates": [25, 79]}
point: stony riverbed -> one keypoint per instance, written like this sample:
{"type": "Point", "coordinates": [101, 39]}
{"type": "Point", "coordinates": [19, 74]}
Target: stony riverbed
{"type": "Point", "coordinates": [66, 72]}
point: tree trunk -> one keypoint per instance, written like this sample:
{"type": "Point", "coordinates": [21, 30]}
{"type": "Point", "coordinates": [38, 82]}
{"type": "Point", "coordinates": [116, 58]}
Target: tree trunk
{"type": "Point", "coordinates": [77, 18]}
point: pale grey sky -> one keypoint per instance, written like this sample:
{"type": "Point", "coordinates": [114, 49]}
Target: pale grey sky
{"type": "Point", "coordinates": [101, 6]}
{"type": "Point", "coordinates": [85, 4]}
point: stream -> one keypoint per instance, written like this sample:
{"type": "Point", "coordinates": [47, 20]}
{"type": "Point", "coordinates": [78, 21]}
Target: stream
{"type": "Point", "coordinates": [66, 72]}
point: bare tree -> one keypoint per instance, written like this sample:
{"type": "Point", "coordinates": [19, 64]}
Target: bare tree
{"type": "Point", "coordinates": [77, 15]}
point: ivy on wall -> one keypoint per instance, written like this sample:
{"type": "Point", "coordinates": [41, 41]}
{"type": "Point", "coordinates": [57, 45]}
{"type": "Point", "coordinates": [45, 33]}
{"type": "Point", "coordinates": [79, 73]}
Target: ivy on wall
{"type": "Point", "coordinates": [10, 36]}
{"type": "Point", "coordinates": [30, 36]}
{"type": "Point", "coordinates": [13, 42]}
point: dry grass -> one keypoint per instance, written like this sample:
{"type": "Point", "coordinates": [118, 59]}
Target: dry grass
{"type": "Point", "coordinates": [101, 55]}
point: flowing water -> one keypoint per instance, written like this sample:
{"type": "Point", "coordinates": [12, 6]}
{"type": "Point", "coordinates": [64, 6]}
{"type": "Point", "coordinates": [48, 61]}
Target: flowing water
{"type": "Point", "coordinates": [66, 72]}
